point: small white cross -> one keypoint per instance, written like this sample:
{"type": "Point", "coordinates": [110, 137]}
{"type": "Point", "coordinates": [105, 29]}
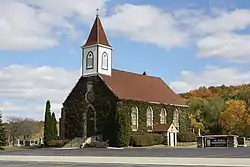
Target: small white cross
{"type": "Point", "coordinates": [97, 12]}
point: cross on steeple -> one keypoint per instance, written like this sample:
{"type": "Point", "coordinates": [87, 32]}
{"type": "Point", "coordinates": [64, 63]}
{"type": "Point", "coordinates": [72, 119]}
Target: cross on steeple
{"type": "Point", "coordinates": [97, 12]}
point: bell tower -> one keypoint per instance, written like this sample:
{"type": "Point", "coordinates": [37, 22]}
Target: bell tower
{"type": "Point", "coordinates": [96, 52]}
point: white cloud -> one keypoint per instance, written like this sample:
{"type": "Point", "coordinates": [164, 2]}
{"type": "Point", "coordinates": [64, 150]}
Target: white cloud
{"type": "Point", "coordinates": [211, 76]}
{"type": "Point", "coordinates": [69, 9]}
{"type": "Point", "coordinates": [23, 29]}
{"type": "Point", "coordinates": [225, 21]}
{"type": "Point", "coordinates": [40, 24]}
{"type": "Point", "coordinates": [146, 23]}
{"type": "Point", "coordinates": [227, 46]}
{"type": "Point", "coordinates": [219, 36]}
{"type": "Point", "coordinates": [26, 89]}
{"type": "Point", "coordinates": [27, 109]}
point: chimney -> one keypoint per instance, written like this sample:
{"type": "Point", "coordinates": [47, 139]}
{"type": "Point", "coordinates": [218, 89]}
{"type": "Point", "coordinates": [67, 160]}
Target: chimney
{"type": "Point", "coordinates": [144, 73]}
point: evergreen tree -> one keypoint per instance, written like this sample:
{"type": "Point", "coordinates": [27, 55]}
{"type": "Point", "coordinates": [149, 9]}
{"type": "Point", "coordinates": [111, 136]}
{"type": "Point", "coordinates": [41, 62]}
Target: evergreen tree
{"type": "Point", "coordinates": [2, 132]}
{"type": "Point", "coordinates": [53, 125]}
{"type": "Point", "coordinates": [48, 123]}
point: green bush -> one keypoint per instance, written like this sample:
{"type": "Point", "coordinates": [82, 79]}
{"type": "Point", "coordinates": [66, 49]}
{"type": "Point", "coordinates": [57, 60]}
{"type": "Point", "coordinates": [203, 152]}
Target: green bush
{"type": "Point", "coordinates": [186, 137]}
{"type": "Point", "coordinates": [56, 143]}
{"type": "Point", "coordinates": [158, 139]}
{"type": "Point", "coordinates": [145, 140]}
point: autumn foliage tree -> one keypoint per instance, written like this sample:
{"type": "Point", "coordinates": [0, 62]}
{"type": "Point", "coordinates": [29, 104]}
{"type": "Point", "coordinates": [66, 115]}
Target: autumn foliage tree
{"type": "Point", "coordinates": [235, 118]}
{"type": "Point", "coordinates": [206, 105]}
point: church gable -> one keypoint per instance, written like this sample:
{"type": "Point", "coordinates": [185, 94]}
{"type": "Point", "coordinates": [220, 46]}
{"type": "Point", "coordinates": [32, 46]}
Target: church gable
{"type": "Point", "coordinates": [90, 94]}
{"type": "Point", "coordinates": [85, 85]}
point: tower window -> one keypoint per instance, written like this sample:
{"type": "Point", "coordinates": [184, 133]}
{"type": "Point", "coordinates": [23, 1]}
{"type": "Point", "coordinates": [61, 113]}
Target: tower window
{"type": "Point", "coordinates": [105, 61]}
{"type": "Point", "coordinates": [90, 60]}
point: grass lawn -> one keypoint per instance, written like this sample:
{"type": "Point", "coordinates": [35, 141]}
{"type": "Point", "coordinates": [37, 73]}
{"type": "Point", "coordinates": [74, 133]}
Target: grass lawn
{"type": "Point", "coordinates": [179, 145]}
{"type": "Point", "coordinates": [12, 148]}
{"type": "Point", "coordinates": [186, 144]}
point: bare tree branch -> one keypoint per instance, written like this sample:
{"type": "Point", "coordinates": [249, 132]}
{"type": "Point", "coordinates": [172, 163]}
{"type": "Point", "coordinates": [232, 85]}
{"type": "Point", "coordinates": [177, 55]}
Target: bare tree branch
{"type": "Point", "coordinates": [21, 128]}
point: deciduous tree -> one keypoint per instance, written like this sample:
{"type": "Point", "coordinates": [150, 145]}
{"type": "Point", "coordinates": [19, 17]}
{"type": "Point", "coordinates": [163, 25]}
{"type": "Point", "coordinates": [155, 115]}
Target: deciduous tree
{"type": "Point", "coordinates": [21, 127]}
{"type": "Point", "coordinates": [211, 111]}
{"type": "Point", "coordinates": [235, 119]}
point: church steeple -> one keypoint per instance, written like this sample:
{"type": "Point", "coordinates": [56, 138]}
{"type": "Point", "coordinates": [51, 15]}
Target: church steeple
{"type": "Point", "coordinates": [97, 52]}
{"type": "Point", "coordinates": [97, 34]}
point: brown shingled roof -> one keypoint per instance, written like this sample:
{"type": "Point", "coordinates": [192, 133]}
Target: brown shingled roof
{"type": "Point", "coordinates": [161, 127]}
{"type": "Point", "coordinates": [132, 86]}
{"type": "Point", "coordinates": [97, 34]}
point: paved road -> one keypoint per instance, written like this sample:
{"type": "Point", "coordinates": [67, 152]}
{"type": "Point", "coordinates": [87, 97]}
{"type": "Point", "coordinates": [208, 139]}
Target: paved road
{"type": "Point", "coordinates": [140, 152]}
{"type": "Point", "coordinates": [171, 157]}
{"type": "Point", "coordinates": [33, 164]}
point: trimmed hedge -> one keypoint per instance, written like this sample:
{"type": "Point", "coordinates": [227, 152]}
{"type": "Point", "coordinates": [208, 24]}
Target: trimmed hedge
{"type": "Point", "coordinates": [145, 140]}
{"type": "Point", "coordinates": [186, 137]}
{"type": "Point", "coordinates": [55, 143]}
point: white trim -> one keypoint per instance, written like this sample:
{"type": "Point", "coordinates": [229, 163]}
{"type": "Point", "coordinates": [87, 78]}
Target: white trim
{"type": "Point", "coordinates": [170, 129]}
{"type": "Point", "coordinates": [89, 75]}
{"type": "Point", "coordinates": [177, 105]}
{"type": "Point", "coordinates": [89, 46]}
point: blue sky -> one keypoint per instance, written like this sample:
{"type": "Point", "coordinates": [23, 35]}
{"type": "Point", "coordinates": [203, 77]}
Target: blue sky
{"type": "Point", "coordinates": [189, 43]}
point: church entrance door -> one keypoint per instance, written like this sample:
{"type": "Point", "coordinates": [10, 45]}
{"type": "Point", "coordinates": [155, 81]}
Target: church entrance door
{"type": "Point", "coordinates": [90, 122]}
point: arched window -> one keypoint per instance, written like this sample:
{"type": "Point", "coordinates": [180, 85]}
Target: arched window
{"type": "Point", "coordinates": [163, 116]}
{"type": "Point", "coordinates": [134, 119]}
{"type": "Point", "coordinates": [176, 118]}
{"type": "Point", "coordinates": [105, 61]}
{"type": "Point", "coordinates": [150, 116]}
{"type": "Point", "coordinates": [176, 115]}
{"type": "Point", "coordinates": [90, 60]}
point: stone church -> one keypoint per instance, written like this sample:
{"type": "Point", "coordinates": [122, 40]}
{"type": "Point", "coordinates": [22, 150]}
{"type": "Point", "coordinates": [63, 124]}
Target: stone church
{"type": "Point", "coordinates": [106, 101]}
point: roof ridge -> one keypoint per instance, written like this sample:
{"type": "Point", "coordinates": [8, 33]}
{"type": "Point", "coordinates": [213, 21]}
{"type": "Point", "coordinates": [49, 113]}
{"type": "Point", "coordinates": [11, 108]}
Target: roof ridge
{"type": "Point", "coordinates": [136, 73]}
{"type": "Point", "coordinates": [168, 87]}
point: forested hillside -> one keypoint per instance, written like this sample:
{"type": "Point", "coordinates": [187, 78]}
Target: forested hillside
{"type": "Point", "coordinates": [220, 109]}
